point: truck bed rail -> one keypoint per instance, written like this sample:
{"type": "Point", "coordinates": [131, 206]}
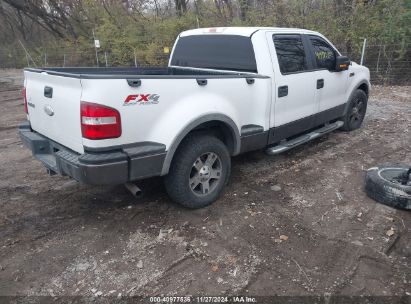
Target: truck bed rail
{"type": "Point", "coordinates": [143, 73]}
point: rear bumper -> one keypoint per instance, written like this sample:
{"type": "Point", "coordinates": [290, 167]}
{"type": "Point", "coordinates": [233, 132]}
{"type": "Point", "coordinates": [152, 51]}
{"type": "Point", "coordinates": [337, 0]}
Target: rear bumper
{"type": "Point", "coordinates": [115, 166]}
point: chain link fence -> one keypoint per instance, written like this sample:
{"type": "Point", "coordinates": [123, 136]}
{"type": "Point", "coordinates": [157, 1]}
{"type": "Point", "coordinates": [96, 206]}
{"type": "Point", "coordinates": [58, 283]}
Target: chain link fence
{"type": "Point", "coordinates": [18, 58]}
{"type": "Point", "coordinates": [388, 64]}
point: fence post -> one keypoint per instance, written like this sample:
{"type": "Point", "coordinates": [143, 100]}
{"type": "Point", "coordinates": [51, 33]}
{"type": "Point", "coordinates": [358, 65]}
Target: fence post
{"type": "Point", "coordinates": [27, 58]}
{"type": "Point", "coordinates": [363, 51]}
{"type": "Point", "coordinates": [378, 60]}
{"type": "Point", "coordinates": [135, 58]}
{"type": "Point", "coordinates": [98, 65]}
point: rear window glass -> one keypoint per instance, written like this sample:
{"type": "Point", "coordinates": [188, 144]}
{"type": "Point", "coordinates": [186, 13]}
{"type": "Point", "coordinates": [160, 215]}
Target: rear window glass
{"type": "Point", "coordinates": [290, 53]}
{"type": "Point", "coordinates": [221, 52]}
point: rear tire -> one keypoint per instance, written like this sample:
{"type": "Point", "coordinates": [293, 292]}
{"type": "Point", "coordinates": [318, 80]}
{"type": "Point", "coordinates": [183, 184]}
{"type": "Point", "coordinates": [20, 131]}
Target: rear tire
{"type": "Point", "coordinates": [357, 107]}
{"type": "Point", "coordinates": [199, 171]}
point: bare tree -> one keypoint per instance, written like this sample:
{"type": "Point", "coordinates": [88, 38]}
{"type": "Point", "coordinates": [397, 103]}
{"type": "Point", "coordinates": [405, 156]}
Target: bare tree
{"type": "Point", "coordinates": [181, 6]}
{"type": "Point", "coordinates": [245, 6]}
{"type": "Point", "coordinates": [52, 15]}
{"type": "Point", "coordinates": [224, 9]}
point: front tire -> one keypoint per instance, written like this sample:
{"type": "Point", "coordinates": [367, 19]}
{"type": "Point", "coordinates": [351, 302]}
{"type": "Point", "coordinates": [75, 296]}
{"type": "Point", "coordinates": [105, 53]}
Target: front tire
{"type": "Point", "coordinates": [199, 171]}
{"type": "Point", "coordinates": [357, 107]}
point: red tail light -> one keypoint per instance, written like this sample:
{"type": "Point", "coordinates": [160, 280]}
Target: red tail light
{"type": "Point", "coordinates": [23, 92]}
{"type": "Point", "coordinates": [99, 122]}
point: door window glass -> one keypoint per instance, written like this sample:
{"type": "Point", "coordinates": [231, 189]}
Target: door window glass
{"type": "Point", "coordinates": [290, 53]}
{"type": "Point", "coordinates": [324, 53]}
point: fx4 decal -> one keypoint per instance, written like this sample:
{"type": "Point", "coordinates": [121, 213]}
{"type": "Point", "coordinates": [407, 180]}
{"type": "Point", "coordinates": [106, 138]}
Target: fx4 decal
{"type": "Point", "coordinates": [141, 99]}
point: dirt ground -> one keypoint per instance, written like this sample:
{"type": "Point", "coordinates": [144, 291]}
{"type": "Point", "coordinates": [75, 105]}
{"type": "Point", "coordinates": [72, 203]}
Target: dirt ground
{"type": "Point", "coordinates": [295, 224]}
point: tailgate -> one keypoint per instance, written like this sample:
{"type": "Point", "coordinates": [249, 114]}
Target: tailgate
{"type": "Point", "coordinates": [54, 108]}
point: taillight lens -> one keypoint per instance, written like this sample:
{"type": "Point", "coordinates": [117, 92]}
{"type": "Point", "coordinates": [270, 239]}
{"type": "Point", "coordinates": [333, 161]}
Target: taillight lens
{"type": "Point", "coordinates": [99, 122]}
{"type": "Point", "coordinates": [23, 92]}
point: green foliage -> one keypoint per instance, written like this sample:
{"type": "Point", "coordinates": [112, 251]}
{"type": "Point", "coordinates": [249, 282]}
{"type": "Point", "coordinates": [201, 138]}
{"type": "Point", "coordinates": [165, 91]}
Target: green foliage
{"type": "Point", "coordinates": [142, 34]}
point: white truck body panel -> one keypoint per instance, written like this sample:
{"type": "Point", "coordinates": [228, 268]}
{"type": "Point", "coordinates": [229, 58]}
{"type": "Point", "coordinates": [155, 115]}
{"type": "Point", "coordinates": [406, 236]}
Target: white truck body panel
{"type": "Point", "coordinates": [360, 74]}
{"type": "Point", "coordinates": [64, 125]}
{"type": "Point", "coordinates": [181, 102]}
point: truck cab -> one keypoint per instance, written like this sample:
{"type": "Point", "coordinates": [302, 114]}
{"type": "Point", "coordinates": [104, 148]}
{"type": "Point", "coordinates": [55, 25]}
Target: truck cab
{"type": "Point", "coordinates": [307, 87]}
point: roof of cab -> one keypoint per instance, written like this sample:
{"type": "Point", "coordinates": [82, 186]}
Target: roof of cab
{"type": "Point", "coordinates": [242, 31]}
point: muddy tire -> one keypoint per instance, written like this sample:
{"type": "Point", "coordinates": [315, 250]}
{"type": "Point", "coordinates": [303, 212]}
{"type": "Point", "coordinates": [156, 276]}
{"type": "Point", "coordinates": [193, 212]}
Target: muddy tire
{"type": "Point", "coordinates": [390, 185]}
{"type": "Point", "coordinates": [357, 107]}
{"type": "Point", "coordinates": [199, 171]}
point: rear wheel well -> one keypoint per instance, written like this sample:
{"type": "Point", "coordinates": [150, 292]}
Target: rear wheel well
{"type": "Point", "coordinates": [218, 129]}
{"type": "Point", "coordinates": [222, 128]}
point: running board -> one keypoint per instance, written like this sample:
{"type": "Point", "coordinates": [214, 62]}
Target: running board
{"type": "Point", "coordinates": [287, 145]}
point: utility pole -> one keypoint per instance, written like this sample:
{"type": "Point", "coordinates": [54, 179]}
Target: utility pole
{"type": "Point", "coordinates": [96, 45]}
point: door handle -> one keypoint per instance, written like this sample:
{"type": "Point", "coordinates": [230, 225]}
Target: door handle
{"type": "Point", "coordinates": [282, 91]}
{"type": "Point", "coordinates": [202, 82]}
{"type": "Point", "coordinates": [48, 92]}
{"type": "Point", "coordinates": [134, 83]}
{"type": "Point", "coordinates": [320, 84]}
{"type": "Point", "coordinates": [250, 80]}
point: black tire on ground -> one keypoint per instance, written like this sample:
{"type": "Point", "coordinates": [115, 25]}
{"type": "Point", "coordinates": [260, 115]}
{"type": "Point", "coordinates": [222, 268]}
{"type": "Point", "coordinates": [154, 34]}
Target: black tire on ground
{"type": "Point", "coordinates": [357, 107]}
{"type": "Point", "coordinates": [390, 185]}
{"type": "Point", "coordinates": [199, 157]}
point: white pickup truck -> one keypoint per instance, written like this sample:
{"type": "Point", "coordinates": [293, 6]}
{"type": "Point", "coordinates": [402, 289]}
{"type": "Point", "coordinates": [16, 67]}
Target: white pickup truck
{"type": "Point", "coordinates": [226, 91]}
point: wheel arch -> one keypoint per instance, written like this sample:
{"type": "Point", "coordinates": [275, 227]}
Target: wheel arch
{"type": "Point", "coordinates": [226, 130]}
{"type": "Point", "coordinates": [363, 86]}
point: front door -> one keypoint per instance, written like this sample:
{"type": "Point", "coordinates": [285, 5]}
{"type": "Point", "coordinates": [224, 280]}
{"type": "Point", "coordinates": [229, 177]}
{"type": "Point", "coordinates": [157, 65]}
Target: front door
{"type": "Point", "coordinates": [331, 85]}
{"type": "Point", "coordinates": [294, 87]}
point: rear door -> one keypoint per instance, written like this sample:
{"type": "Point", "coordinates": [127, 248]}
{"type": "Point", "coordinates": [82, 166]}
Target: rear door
{"type": "Point", "coordinates": [331, 85]}
{"type": "Point", "coordinates": [54, 108]}
{"type": "Point", "coordinates": [294, 86]}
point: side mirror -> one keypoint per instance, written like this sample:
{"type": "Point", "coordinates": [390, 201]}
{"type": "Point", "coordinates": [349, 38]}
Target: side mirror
{"type": "Point", "coordinates": [342, 63]}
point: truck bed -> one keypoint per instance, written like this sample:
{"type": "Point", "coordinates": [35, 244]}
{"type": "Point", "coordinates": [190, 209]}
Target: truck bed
{"type": "Point", "coordinates": [54, 97]}
{"type": "Point", "coordinates": [151, 72]}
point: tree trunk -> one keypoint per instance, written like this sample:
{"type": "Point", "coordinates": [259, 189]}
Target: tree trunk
{"type": "Point", "coordinates": [245, 6]}
{"type": "Point", "coordinates": [181, 6]}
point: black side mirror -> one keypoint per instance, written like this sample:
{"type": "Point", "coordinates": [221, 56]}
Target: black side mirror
{"type": "Point", "coordinates": [342, 63]}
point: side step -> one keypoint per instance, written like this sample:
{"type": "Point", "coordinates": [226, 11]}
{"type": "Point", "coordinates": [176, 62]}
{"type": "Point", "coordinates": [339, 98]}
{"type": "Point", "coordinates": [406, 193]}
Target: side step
{"type": "Point", "coordinates": [287, 145]}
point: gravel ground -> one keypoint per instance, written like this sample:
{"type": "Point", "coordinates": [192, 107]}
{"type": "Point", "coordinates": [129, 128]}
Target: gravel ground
{"type": "Point", "coordinates": [295, 224]}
